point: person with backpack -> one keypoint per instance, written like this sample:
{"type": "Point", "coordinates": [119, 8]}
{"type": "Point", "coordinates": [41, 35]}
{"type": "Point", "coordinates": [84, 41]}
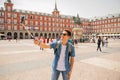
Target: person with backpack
{"type": "Point", "coordinates": [64, 56]}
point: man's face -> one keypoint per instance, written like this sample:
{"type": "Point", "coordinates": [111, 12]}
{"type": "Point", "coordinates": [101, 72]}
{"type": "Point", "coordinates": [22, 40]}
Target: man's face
{"type": "Point", "coordinates": [64, 36]}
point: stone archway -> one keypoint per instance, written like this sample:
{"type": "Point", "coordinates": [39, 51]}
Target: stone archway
{"type": "Point", "coordinates": [53, 35]}
{"type": "Point", "coordinates": [36, 34]}
{"type": "Point", "coordinates": [26, 36]}
{"type": "Point", "coordinates": [57, 36]}
{"type": "Point", "coordinates": [21, 35]}
{"type": "Point", "coordinates": [41, 35]}
{"type": "Point", "coordinates": [49, 35]}
{"type": "Point", "coordinates": [9, 35]}
{"type": "Point", "coordinates": [45, 35]}
{"type": "Point", "coordinates": [15, 35]}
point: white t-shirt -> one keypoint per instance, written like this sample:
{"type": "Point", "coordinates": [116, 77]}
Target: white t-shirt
{"type": "Point", "coordinates": [61, 61]}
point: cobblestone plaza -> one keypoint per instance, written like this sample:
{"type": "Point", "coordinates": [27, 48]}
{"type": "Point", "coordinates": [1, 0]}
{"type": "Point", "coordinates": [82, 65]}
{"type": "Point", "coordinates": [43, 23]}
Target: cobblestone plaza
{"type": "Point", "coordinates": [22, 60]}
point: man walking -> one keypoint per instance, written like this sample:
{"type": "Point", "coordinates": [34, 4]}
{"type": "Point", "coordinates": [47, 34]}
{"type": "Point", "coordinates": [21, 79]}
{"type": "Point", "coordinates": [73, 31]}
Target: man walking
{"type": "Point", "coordinates": [63, 60]}
{"type": "Point", "coordinates": [99, 43]}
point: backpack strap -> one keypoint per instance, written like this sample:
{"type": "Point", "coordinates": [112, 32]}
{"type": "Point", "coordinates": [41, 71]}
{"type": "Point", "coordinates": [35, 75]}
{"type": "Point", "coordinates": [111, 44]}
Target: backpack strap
{"type": "Point", "coordinates": [69, 50]}
{"type": "Point", "coordinates": [56, 47]}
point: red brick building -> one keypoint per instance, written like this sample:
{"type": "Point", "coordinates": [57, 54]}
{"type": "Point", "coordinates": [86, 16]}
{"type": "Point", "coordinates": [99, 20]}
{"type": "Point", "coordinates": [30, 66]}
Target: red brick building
{"type": "Point", "coordinates": [51, 25]}
{"type": "Point", "coordinates": [39, 24]}
{"type": "Point", "coordinates": [106, 26]}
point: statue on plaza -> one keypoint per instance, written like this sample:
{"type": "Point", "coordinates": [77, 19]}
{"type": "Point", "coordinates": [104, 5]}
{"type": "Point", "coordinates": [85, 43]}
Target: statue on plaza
{"type": "Point", "coordinates": [77, 20]}
{"type": "Point", "coordinates": [9, 1]}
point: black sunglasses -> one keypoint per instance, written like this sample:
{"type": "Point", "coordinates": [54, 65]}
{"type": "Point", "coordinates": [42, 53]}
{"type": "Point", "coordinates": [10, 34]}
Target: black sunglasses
{"type": "Point", "coordinates": [64, 34]}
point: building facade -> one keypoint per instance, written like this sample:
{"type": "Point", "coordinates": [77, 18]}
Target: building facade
{"type": "Point", "coordinates": [39, 24]}
{"type": "Point", "coordinates": [51, 25]}
{"type": "Point", "coordinates": [106, 26]}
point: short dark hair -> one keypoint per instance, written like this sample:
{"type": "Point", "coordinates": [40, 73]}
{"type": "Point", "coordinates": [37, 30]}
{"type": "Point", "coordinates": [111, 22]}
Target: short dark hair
{"type": "Point", "coordinates": [68, 32]}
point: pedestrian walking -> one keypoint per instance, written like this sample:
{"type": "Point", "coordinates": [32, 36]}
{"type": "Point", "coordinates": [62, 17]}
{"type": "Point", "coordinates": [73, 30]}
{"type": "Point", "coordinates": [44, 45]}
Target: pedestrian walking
{"type": "Point", "coordinates": [64, 56]}
{"type": "Point", "coordinates": [106, 42]}
{"type": "Point", "coordinates": [41, 41]}
{"type": "Point", "coordinates": [99, 43]}
{"type": "Point", "coordinates": [103, 42]}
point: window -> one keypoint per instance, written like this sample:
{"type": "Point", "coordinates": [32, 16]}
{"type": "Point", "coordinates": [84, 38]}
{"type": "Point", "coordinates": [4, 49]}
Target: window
{"type": "Point", "coordinates": [49, 24]}
{"type": "Point", "coordinates": [26, 22]}
{"type": "Point", "coordinates": [26, 16]}
{"type": "Point", "coordinates": [45, 24]}
{"type": "Point", "coordinates": [9, 27]}
{"type": "Point", "coordinates": [45, 18]}
{"type": "Point", "coordinates": [1, 27]}
{"type": "Point", "coordinates": [49, 19]}
{"type": "Point", "coordinates": [118, 19]}
{"type": "Point", "coordinates": [36, 23]}
{"type": "Point", "coordinates": [41, 23]}
{"type": "Point", "coordinates": [57, 25]}
{"type": "Point", "coordinates": [8, 8]}
{"type": "Point", "coordinates": [40, 28]}
{"type": "Point", "coordinates": [31, 22]}
{"type": "Point", "coordinates": [15, 27]}
{"type": "Point", "coordinates": [15, 15]}
{"type": "Point", "coordinates": [8, 15]}
{"type": "Point", "coordinates": [66, 21]}
{"type": "Point", "coordinates": [1, 13]}
{"type": "Point", "coordinates": [53, 24]}
{"type": "Point", "coordinates": [53, 29]}
{"type": "Point", "coordinates": [15, 21]}
{"type": "Point", "coordinates": [41, 18]}
{"type": "Point", "coordinates": [45, 29]}
{"type": "Point", "coordinates": [119, 24]}
{"type": "Point", "coordinates": [21, 28]}
{"type": "Point", "coordinates": [9, 21]}
{"type": "Point", "coordinates": [31, 17]}
{"type": "Point", "coordinates": [49, 29]}
{"type": "Point", "coordinates": [60, 25]}
{"type": "Point", "coordinates": [53, 19]}
{"type": "Point", "coordinates": [1, 20]}
{"type": "Point", "coordinates": [114, 20]}
{"type": "Point", "coordinates": [36, 17]}
{"type": "Point", "coordinates": [57, 20]}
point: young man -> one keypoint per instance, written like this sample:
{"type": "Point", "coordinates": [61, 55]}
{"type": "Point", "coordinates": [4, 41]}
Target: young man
{"type": "Point", "coordinates": [63, 60]}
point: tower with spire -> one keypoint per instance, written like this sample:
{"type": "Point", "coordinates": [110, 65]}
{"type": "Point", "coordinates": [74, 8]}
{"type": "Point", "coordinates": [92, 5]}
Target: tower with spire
{"type": "Point", "coordinates": [55, 12]}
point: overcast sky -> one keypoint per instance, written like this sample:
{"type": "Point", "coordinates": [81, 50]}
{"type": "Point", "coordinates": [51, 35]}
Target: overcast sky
{"type": "Point", "coordinates": [85, 8]}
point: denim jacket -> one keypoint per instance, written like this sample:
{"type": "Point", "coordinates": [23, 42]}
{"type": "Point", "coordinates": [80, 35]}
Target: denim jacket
{"type": "Point", "coordinates": [57, 56]}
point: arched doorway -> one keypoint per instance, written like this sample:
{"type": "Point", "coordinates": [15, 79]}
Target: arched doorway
{"type": "Point", "coordinates": [49, 35]}
{"type": "Point", "coordinates": [9, 35]}
{"type": "Point", "coordinates": [15, 35]}
{"type": "Point", "coordinates": [53, 35]}
{"type": "Point", "coordinates": [57, 36]}
{"type": "Point", "coordinates": [21, 35]}
{"type": "Point", "coordinates": [45, 36]}
{"type": "Point", "coordinates": [26, 35]}
{"type": "Point", "coordinates": [41, 34]}
{"type": "Point", "coordinates": [36, 34]}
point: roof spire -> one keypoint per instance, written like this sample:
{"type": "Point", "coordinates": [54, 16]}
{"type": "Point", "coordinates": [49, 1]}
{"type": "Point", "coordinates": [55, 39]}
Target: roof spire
{"type": "Point", "coordinates": [55, 6]}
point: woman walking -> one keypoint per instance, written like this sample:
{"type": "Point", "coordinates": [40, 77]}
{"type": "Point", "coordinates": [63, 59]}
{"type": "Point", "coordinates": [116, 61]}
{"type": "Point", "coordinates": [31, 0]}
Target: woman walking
{"type": "Point", "coordinates": [99, 43]}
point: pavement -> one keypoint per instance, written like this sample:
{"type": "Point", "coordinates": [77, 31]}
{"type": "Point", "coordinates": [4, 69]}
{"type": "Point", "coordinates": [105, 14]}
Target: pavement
{"type": "Point", "coordinates": [22, 60]}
